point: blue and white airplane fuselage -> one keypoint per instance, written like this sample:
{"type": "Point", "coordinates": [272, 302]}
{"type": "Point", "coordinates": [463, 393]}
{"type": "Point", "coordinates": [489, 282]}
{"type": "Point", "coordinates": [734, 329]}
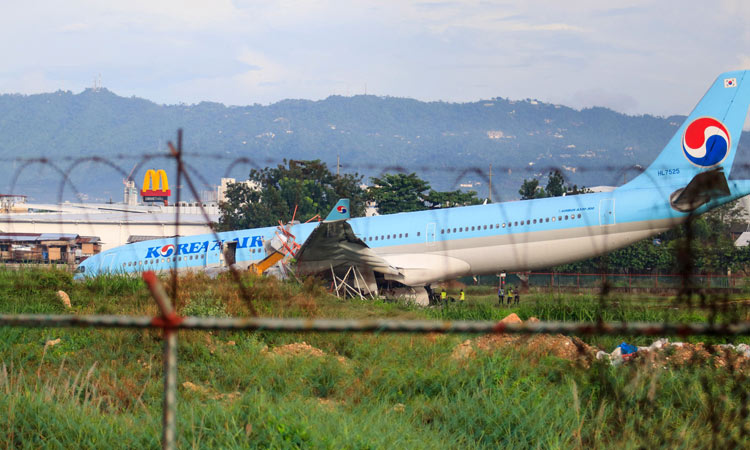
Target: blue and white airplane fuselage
{"type": "Point", "coordinates": [690, 176]}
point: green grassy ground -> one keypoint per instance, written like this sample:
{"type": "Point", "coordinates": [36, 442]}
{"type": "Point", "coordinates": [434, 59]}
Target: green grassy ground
{"type": "Point", "coordinates": [103, 388]}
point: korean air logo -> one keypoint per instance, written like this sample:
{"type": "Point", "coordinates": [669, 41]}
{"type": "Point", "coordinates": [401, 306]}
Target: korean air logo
{"type": "Point", "coordinates": [706, 142]}
{"type": "Point", "coordinates": [341, 209]}
{"type": "Point", "coordinates": [167, 250]}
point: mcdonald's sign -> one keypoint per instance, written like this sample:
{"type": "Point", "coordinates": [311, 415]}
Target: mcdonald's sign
{"type": "Point", "coordinates": [155, 186]}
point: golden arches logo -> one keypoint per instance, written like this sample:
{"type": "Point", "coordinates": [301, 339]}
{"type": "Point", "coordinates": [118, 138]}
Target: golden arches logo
{"type": "Point", "coordinates": [155, 183]}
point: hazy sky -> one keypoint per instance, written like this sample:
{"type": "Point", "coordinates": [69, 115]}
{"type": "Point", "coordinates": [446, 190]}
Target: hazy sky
{"type": "Point", "coordinates": [654, 57]}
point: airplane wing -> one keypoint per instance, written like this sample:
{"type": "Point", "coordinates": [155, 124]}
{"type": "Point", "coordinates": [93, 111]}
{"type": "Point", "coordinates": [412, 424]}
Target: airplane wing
{"type": "Point", "coordinates": [333, 244]}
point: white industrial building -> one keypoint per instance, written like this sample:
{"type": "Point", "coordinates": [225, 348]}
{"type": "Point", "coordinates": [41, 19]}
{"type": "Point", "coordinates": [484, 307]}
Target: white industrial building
{"type": "Point", "coordinates": [114, 223]}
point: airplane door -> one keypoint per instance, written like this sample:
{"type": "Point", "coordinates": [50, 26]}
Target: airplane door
{"type": "Point", "coordinates": [230, 252]}
{"type": "Point", "coordinates": [106, 265]}
{"type": "Point", "coordinates": [607, 211]}
{"type": "Point", "coordinates": [430, 234]}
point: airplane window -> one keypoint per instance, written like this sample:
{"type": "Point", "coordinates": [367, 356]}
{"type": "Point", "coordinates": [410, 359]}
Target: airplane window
{"type": "Point", "coordinates": [376, 238]}
{"type": "Point", "coordinates": [566, 217]}
{"type": "Point", "coordinates": [454, 230]}
{"type": "Point", "coordinates": [503, 225]}
{"type": "Point", "coordinates": [382, 238]}
{"type": "Point", "coordinates": [535, 221]}
{"type": "Point", "coordinates": [406, 235]}
{"type": "Point", "coordinates": [553, 219]}
{"type": "Point", "coordinates": [547, 219]}
{"type": "Point", "coordinates": [559, 217]}
{"type": "Point", "coordinates": [485, 227]}
{"type": "Point", "coordinates": [419, 233]}
{"type": "Point", "coordinates": [491, 226]}
{"type": "Point", "coordinates": [442, 231]}
{"type": "Point", "coordinates": [460, 229]}
{"type": "Point", "coordinates": [579, 216]}
{"type": "Point", "coordinates": [400, 235]}
{"type": "Point", "coordinates": [515, 223]}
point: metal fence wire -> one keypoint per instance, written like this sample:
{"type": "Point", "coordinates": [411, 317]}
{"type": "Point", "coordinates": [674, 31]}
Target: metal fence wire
{"type": "Point", "coordinates": [171, 323]}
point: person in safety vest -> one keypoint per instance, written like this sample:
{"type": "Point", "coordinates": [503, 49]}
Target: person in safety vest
{"type": "Point", "coordinates": [462, 296]}
{"type": "Point", "coordinates": [443, 295]}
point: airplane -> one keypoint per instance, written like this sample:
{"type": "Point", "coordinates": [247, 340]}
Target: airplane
{"type": "Point", "coordinates": [416, 249]}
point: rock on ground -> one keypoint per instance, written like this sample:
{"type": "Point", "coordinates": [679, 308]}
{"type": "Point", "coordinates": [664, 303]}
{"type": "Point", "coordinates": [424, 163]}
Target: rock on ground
{"type": "Point", "coordinates": [64, 299]}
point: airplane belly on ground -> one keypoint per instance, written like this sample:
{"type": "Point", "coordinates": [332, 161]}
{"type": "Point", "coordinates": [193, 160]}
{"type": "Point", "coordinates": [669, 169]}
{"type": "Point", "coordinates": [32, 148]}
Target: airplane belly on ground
{"type": "Point", "coordinates": [419, 269]}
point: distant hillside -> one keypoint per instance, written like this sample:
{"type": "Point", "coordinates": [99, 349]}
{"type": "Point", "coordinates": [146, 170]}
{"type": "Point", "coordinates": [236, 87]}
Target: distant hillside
{"type": "Point", "coordinates": [443, 142]}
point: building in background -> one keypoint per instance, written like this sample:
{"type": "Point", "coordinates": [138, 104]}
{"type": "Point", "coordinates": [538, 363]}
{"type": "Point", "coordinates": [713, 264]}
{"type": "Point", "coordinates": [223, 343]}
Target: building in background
{"type": "Point", "coordinates": [47, 248]}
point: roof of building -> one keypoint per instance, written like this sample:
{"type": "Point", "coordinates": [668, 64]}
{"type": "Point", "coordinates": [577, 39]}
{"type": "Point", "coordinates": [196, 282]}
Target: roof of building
{"type": "Point", "coordinates": [119, 217]}
{"type": "Point", "coordinates": [57, 237]}
{"type": "Point", "coordinates": [37, 237]}
{"type": "Point", "coordinates": [743, 240]}
{"type": "Point", "coordinates": [140, 238]}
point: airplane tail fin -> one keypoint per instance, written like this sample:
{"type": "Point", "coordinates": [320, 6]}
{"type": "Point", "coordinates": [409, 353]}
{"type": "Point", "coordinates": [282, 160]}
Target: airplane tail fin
{"type": "Point", "coordinates": [339, 212]}
{"type": "Point", "coordinates": [707, 140]}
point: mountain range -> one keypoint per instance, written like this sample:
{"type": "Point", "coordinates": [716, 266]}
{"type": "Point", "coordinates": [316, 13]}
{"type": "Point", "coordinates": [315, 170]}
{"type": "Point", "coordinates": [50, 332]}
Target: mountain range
{"type": "Point", "coordinates": [96, 138]}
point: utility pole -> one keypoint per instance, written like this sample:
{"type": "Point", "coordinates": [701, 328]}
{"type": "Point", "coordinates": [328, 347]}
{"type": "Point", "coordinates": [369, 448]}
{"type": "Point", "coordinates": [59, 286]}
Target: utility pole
{"type": "Point", "coordinates": [490, 183]}
{"type": "Point", "coordinates": [338, 165]}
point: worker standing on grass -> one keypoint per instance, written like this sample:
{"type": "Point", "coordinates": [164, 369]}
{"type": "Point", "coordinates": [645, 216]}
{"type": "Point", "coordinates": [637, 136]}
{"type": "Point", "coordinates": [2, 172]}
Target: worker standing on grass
{"type": "Point", "coordinates": [511, 293]}
{"type": "Point", "coordinates": [517, 298]}
{"type": "Point", "coordinates": [500, 295]}
{"type": "Point", "coordinates": [462, 296]}
{"type": "Point", "coordinates": [443, 296]}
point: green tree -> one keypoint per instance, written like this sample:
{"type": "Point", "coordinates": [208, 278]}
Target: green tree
{"type": "Point", "coordinates": [555, 184]}
{"type": "Point", "coordinates": [307, 185]}
{"type": "Point", "coordinates": [398, 192]}
{"type": "Point", "coordinates": [530, 189]}
{"type": "Point", "coordinates": [450, 199]}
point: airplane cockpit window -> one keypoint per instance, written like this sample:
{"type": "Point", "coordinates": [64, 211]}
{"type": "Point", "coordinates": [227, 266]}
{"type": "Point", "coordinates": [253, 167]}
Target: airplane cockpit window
{"type": "Point", "coordinates": [80, 269]}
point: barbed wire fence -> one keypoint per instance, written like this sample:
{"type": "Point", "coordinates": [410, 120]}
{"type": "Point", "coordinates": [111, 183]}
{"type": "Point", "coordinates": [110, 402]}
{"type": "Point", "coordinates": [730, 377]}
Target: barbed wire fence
{"type": "Point", "coordinates": [690, 293]}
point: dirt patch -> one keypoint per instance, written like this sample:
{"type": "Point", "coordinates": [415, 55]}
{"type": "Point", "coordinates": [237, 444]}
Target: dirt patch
{"type": "Point", "coordinates": [536, 345]}
{"type": "Point", "coordinates": [207, 392]}
{"type": "Point", "coordinates": [302, 349]}
{"type": "Point", "coordinates": [511, 318]}
{"type": "Point", "coordinates": [298, 349]}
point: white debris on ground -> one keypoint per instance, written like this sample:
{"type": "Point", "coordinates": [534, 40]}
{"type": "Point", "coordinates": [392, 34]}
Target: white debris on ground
{"type": "Point", "coordinates": [661, 353]}
{"type": "Point", "coordinates": [679, 353]}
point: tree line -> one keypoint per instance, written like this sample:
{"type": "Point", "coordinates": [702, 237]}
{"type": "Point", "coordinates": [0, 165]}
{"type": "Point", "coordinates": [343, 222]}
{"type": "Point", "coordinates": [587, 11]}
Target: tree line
{"type": "Point", "coordinates": [307, 189]}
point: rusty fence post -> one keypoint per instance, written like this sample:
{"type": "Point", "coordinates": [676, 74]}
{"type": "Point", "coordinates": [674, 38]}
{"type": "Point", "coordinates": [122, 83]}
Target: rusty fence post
{"type": "Point", "coordinates": [168, 321]}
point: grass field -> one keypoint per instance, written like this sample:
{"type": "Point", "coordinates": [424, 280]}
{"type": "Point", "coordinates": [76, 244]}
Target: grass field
{"type": "Point", "coordinates": [103, 388]}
